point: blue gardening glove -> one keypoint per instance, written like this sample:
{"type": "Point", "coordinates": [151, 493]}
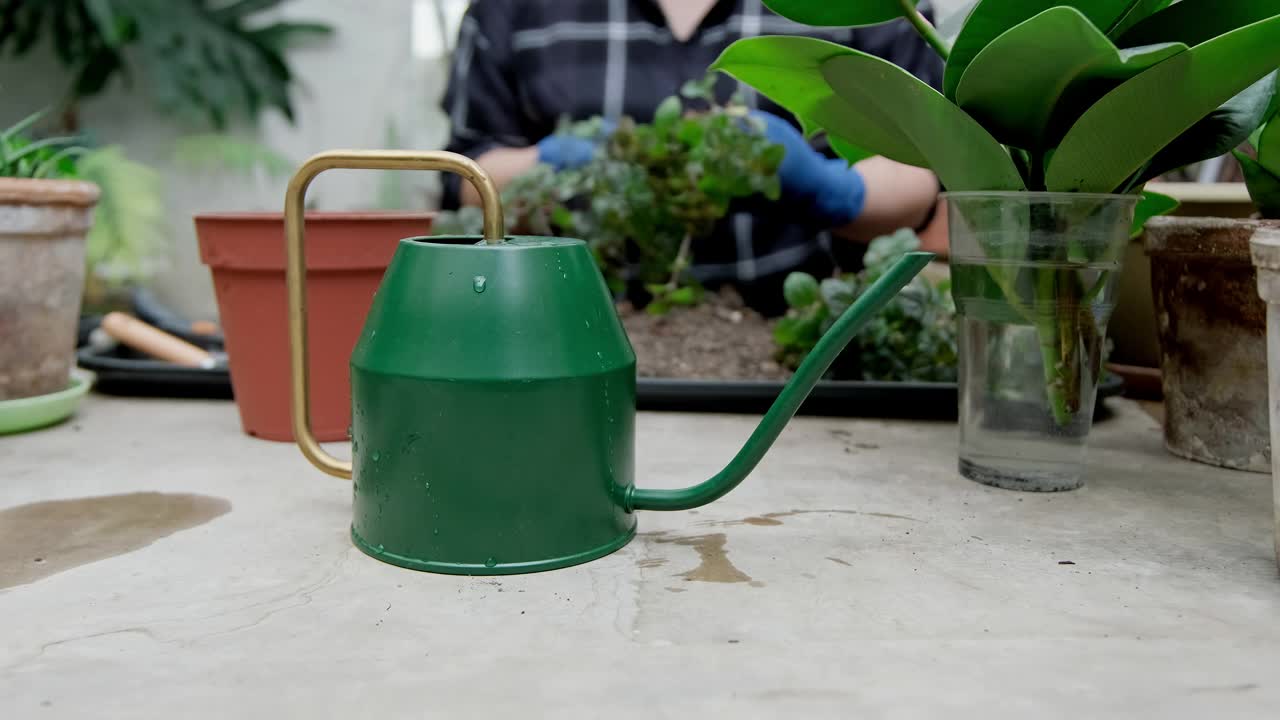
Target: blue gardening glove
{"type": "Point", "coordinates": [835, 191]}
{"type": "Point", "coordinates": [566, 152]}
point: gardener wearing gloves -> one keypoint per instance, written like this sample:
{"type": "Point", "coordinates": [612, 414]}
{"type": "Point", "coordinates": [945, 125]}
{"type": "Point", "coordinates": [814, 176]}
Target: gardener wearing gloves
{"type": "Point", "coordinates": [521, 65]}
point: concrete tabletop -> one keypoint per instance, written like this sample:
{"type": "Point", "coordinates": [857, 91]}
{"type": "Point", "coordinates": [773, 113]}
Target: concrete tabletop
{"type": "Point", "coordinates": [155, 562]}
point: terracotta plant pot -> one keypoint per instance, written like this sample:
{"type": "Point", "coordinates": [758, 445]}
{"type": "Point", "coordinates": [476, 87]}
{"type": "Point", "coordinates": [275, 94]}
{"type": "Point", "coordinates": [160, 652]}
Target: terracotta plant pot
{"type": "Point", "coordinates": [346, 256]}
{"type": "Point", "coordinates": [1212, 327]}
{"type": "Point", "coordinates": [42, 231]}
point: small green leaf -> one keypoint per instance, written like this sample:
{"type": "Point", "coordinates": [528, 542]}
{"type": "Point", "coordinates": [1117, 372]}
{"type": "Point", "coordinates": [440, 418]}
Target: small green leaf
{"type": "Point", "coordinates": [1263, 185]}
{"type": "Point", "coordinates": [845, 13]}
{"type": "Point", "coordinates": [1131, 124]}
{"type": "Point", "coordinates": [800, 290]}
{"type": "Point", "coordinates": [962, 154]}
{"type": "Point", "coordinates": [886, 249]}
{"type": "Point", "coordinates": [1048, 68]}
{"type": "Point", "coordinates": [1195, 21]}
{"type": "Point", "coordinates": [668, 112]}
{"type": "Point", "coordinates": [686, 295]}
{"type": "Point", "coordinates": [690, 133]}
{"type": "Point", "coordinates": [1151, 205]}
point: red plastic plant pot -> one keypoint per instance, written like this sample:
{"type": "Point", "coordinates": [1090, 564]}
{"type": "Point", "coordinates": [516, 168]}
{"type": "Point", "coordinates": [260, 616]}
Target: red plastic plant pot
{"type": "Point", "coordinates": [346, 256]}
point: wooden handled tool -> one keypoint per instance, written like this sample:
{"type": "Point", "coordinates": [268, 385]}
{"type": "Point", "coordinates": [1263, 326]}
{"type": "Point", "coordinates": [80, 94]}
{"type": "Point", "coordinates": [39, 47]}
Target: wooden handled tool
{"type": "Point", "coordinates": [155, 342]}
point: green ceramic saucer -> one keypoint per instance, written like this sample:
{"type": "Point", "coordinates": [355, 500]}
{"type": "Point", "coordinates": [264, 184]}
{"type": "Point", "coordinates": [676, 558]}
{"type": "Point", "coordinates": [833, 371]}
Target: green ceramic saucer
{"type": "Point", "coordinates": [36, 412]}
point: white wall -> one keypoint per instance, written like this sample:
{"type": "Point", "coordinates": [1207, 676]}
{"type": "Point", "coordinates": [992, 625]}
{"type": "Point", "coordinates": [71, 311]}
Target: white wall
{"type": "Point", "coordinates": [352, 86]}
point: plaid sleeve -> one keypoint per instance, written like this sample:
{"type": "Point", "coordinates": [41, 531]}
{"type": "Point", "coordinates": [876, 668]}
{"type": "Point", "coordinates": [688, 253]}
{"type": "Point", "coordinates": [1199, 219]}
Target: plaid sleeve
{"type": "Point", "coordinates": [481, 99]}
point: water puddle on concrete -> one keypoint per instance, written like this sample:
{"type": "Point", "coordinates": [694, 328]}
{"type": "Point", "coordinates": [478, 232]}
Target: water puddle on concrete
{"type": "Point", "coordinates": [774, 518]}
{"type": "Point", "coordinates": [45, 538]}
{"type": "Point", "coordinates": [713, 559]}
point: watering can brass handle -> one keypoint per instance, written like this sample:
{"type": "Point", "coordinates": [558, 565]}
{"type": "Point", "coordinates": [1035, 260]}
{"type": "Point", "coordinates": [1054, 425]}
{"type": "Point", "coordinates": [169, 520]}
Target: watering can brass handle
{"type": "Point", "coordinates": [296, 270]}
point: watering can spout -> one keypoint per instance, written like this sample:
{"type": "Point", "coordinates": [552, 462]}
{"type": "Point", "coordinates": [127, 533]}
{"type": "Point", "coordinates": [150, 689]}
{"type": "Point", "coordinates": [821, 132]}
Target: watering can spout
{"type": "Point", "coordinates": [789, 400]}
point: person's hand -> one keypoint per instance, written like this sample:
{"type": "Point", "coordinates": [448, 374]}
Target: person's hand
{"type": "Point", "coordinates": [567, 152]}
{"type": "Point", "coordinates": [834, 191]}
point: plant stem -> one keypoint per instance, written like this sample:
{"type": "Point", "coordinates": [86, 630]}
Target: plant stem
{"type": "Point", "coordinates": [925, 28]}
{"type": "Point", "coordinates": [680, 262]}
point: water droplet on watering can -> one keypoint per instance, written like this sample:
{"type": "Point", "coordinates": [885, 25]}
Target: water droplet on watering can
{"type": "Point", "coordinates": [478, 283]}
{"type": "Point", "coordinates": [377, 456]}
{"type": "Point", "coordinates": [373, 334]}
{"type": "Point", "coordinates": [491, 562]}
{"type": "Point", "coordinates": [379, 547]}
{"type": "Point", "coordinates": [436, 531]}
{"type": "Point", "coordinates": [426, 485]}
{"type": "Point", "coordinates": [588, 322]}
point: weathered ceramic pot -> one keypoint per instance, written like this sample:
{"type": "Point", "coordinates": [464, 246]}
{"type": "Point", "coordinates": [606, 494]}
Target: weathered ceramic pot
{"type": "Point", "coordinates": [1212, 328]}
{"type": "Point", "coordinates": [42, 235]}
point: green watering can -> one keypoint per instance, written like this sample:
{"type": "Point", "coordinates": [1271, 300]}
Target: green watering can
{"type": "Point", "coordinates": [493, 427]}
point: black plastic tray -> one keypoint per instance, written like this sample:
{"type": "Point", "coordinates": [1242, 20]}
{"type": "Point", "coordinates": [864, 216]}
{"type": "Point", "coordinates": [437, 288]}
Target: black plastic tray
{"type": "Point", "coordinates": [844, 398]}
{"type": "Point", "coordinates": [121, 372]}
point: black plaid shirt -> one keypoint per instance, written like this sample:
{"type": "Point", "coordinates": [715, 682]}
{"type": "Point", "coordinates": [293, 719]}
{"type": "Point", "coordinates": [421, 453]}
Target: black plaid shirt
{"type": "Point", "coordinates": [522, 64]}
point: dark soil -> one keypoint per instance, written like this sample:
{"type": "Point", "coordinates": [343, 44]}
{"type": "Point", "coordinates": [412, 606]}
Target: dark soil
{"type": "Point", "coordinates": [718, 339]}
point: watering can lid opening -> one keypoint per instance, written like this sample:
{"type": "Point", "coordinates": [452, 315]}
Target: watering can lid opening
{"type": "Point", "coordinates": [510, 242]}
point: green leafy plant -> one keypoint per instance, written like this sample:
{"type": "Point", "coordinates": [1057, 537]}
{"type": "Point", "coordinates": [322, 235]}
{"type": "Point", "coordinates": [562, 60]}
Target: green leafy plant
{"type": "Point", "coordinates": [216, 57]}
{"type": "Point", "coordinates": [913, 338]}
{"type": "Point", "coordinates": [1262, 170]}
{"type": "Point", "coordinates": [128, 225]}
{"type": "Point", "coordinates": [1095, 96]}
{"type": "Point", "coordinates": [651, 189]}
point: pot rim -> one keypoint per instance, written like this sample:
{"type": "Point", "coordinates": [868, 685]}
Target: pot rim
{"type": "Point", "coordinates": [43, 191]}
{"type": "Point", "coordinates": [316, 215]}
{"type": "Point", "coordinates": [1038, 194]}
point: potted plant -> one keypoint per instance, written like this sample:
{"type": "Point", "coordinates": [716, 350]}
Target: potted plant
{"type": "Point", "coordinates": [49, 238]}
{"type": "Point", "coordinates": [209, 61]}
{"type": "Point", "coordinates": [1212, 323]}
{"type": "Point", "coordinates": [1051, 118]}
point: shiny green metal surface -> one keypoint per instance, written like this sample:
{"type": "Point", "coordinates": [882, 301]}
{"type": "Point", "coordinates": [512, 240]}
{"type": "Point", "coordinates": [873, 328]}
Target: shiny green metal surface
{"type": "Point", "coordinates": [493, 420]}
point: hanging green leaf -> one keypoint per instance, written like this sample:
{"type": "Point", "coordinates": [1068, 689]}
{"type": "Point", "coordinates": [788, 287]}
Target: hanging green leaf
{"type": "Point", "coordinates": [840, 14]}
{"type": "Point", "coordinates": [992, 18]}
{"type": "Point", "coordinates": [1217, 134]}
{"type": "Point", "coordinates": [1124, 130]}
{"type": "Point", "coordinates": [958, 150]}
{"type": "Point", "coordinates": [1052, 66]}
{"type": "Point", "coordinates": [1195, 21]}
{"type": "Point", "coordinates": [788, 71]}
{"type": "Point", "coordinates": [1263, 185]}
{"type": "Point", "coordinates": [1152, 204]}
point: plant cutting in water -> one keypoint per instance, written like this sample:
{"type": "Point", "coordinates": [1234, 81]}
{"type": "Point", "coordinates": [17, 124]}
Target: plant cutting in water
{"type": "Point", "coordinates": [1091, 97]}
{"type": "Point", "coordinates": [1262, 171]}
{"type": "Point", "coordinates": [651, 190]}
{"type": "Point", "coordinates": [912, 338]}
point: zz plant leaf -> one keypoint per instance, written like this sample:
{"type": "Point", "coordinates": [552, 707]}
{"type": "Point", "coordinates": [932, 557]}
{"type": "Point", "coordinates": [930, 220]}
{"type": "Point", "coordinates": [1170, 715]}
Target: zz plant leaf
{"type": "Point", "coordinates": [1053, 65]}
{"type": "Point", "coordinates": [1126, 128]}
